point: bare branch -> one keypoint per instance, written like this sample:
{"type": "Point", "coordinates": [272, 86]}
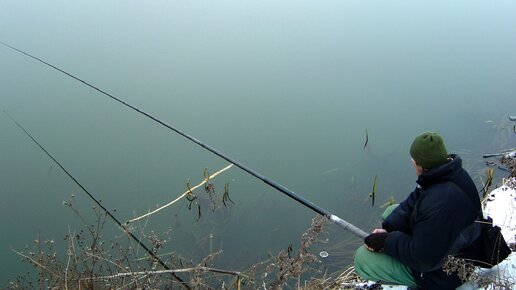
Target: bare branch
{"type": "Point", "coordinates": [34, 262]}
{"type": "Point", "coordinates": [160, 272]}
{"type": "Point", "coordinates": [181, 196]}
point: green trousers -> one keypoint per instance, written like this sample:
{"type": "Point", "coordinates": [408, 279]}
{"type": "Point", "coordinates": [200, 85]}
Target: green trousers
{"type": "Point", "coordinates": [379, 267]}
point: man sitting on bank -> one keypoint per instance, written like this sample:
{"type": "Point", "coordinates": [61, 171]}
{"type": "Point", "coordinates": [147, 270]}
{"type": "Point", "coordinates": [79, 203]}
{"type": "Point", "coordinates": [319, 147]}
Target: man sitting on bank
{"type": "Point", "coordinates": [418, 234]}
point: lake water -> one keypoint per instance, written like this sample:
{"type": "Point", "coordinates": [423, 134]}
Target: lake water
{"type": "Point", "coordinates": [288, 88]}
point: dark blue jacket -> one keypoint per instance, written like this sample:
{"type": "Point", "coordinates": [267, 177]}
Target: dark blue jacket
{"type": "Point", "coordinates": [423, 228]}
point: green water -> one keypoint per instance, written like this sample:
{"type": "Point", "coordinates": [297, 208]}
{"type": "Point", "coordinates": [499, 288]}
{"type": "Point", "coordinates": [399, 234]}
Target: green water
{"type": "Point", "coordinates": [287, 88]}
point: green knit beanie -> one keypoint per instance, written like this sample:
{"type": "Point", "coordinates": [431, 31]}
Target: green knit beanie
{"type": "Point", "coordinates": [428, 150]}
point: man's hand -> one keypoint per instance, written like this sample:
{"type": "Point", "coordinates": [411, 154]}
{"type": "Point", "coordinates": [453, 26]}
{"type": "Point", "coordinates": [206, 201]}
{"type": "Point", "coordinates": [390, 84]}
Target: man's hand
{"type": "Point", "coordinates": [375, 241]}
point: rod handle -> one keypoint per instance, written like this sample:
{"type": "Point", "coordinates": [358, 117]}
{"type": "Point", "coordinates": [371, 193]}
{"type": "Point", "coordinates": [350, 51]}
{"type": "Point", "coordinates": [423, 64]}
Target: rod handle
{"type": "Point", "coordinates": [349, 227]}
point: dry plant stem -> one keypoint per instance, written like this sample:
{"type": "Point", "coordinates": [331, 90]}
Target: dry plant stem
{"type": "Point", "coordinates": [128, 285]}
{"type": "Point", "coordinates": [35, 262]}
{"type": "Point", "coordinates": [183, 270]}
{"type": "Point", "coordinates": [287, 267]}
{"type": "Point", "coordinates": [69, 253]}
{"type": "Point", "coordinates": [239, 283]}
{"type": "Point", "coordinates": [181, 196]}
{"type": "Point", "coordinates": [107, 260]}
{"type": "Point", "coordinates": [142, 230]}
{"type": "Point", "coordinates": [160, 255]}
{"type": "Point", "coordinates": [74, 253]}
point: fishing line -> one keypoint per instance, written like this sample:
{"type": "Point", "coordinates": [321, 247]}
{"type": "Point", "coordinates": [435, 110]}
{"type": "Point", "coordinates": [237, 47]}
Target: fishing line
{"type": "Point", "coordinates": [344, 224]}
{"type": "Point", "coordinates": [95, 200]}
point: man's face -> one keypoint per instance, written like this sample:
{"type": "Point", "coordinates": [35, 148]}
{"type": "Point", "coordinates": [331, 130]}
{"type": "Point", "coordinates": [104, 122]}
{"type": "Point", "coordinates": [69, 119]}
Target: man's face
{"type": "Point", "coordinates": [417, 168]}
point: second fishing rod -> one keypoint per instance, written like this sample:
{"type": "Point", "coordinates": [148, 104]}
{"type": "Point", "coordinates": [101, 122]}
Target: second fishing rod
{"type": "Point", "coordinates": [342, 223]}
{"type": "Point", "coordinates": [104, 209]}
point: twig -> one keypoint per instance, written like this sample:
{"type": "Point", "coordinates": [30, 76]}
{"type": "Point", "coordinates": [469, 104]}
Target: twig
{"type": "Point", "coordinates": [208, 258]}
{"type": "Point", "coordinates": [102, 258]}
{"type": "Point", "coordinates": [160, 255]}
{"type": "Point", "coordinates": [70, 252]}
{"type": "Point", "coordinates": [181, 196]}
{"type": "Point", "coordinates": [132, 282]}
{"type": "Point", "coordinates": [74, 253]}
{"type": "Point", "coordinates": [35, 262]}
{"type": "Point", "coordinates": [499, 153]}
{"type": "Point", "coordinates": [183, 270]}
{"type": "Point", "coordinates": [142, 233]}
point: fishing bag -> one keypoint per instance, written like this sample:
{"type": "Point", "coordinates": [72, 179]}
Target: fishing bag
{"type": "Point", "coordinates": [494, 248]}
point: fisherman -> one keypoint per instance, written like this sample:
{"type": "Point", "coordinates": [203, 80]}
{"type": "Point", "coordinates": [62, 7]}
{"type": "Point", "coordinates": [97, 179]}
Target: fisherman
{"type": "Point", "coordinates": [418, 234]}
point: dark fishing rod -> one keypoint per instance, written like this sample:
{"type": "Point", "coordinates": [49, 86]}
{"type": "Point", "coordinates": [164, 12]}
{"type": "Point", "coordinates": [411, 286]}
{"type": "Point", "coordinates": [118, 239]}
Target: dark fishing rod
{"type": "Point", "coordinates": [124, 228]}
{"type": "Point", "coordinates": [344, 224]}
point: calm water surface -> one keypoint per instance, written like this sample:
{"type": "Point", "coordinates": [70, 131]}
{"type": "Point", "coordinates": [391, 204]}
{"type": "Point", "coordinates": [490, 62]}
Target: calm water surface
{"type": "Point", "coordinates": [287, 88]}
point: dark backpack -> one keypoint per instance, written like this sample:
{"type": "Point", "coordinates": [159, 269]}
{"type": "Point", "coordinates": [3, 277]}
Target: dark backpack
{"type": "Point", "coordinates": [494, 248]}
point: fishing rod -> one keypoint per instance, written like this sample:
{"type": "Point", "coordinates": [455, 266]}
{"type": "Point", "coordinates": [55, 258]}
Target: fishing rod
{"type": "Point", "coordinates": [124, 228]}
{"type": "Point", "coordinates": [342, 223]}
